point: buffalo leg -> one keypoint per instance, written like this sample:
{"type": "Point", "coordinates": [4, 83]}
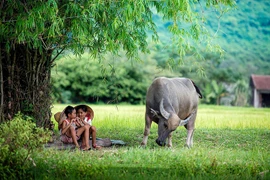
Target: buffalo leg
{"type": "Point", "coordinates": [170, 140]}
{"type": "Point", "coordinates": [190, 130]}
{"type": "Point", "coordinates": [189, 141]}
{"type": "Point", "coordinates": [148, 123]}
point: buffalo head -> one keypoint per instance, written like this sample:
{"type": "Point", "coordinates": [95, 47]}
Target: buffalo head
{"type": "Point", "coordinates": [168, 122]}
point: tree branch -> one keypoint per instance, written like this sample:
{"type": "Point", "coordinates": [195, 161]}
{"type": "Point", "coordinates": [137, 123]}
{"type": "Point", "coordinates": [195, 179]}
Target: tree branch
{"type": "Point", "coordinates": [58, 53]}
{"type": "Point", "coordinates": [1, 88]}
{"type": "Point", "coordinates": [2, 4]}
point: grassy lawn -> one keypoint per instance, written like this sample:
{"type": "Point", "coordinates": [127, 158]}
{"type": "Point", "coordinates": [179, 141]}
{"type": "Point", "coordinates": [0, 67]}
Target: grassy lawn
{"type": "Point", "coordinates": [229, 143]}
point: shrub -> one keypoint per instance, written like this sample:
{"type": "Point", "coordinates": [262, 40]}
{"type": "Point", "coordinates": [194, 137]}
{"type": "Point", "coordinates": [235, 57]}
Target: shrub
{"type": "Point", "coordinates": [18, 139]}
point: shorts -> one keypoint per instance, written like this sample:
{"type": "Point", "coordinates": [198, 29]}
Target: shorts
{"type": "Point", "coordinates": [66, 139]}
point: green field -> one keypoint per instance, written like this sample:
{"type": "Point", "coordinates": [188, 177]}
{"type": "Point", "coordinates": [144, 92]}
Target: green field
{"type": "Point", "coordinates": [229, 143]}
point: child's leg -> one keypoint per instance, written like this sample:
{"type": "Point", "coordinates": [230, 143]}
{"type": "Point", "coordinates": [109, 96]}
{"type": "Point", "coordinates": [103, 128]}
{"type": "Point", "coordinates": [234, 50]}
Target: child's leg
{"type": "Point", "coordinates": [85, 132]}
{"type": "Point", "coordinates": [94, 135]}
{"type": "Point", "coordinates": [74, 136]}
{"type": "Point", "coordinates": [83, 142]}
{"type": "Point", "coordinates": [86, 136]}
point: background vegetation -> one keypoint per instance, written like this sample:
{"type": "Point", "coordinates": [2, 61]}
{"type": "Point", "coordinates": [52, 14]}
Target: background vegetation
{"type": "Point", "coordinates": [34, 33]}
{"type": "Point", "coordinates": [242, 32]}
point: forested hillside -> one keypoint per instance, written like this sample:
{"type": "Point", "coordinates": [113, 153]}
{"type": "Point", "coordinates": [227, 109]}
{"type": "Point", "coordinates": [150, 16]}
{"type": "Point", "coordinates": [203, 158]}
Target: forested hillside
{"type": "Point", "coordinates": [243, 33]}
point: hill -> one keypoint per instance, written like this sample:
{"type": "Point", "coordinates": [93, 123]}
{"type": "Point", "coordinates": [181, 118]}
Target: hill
{"type": "Point", "coordinates": [243, 33]}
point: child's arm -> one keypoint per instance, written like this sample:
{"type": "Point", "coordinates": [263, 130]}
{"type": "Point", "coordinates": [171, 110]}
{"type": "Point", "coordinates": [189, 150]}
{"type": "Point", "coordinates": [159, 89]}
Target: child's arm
{"type": "Point", "coordinates": [85, 123]}
{"type": "Point", "coordinates": [66, 127]}
{"type": "Point", "coordinates": [77, 122]}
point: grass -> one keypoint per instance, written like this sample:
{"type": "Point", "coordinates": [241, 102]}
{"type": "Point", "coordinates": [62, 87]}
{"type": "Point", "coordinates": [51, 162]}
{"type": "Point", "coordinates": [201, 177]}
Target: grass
{"type": "Point", "coordinates": [229, 143]}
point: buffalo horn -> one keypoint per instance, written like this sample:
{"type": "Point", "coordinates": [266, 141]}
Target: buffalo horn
{"type": "Point", "coordinates": [184, 122]}
{"type": "Point", "coordinates": [163, 112]}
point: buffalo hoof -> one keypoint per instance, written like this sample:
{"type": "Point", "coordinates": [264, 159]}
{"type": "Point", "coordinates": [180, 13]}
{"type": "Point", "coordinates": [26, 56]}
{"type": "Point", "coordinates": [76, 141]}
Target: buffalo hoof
{"type": "Point", "coordinates": [143, 145]}
{"type": "Point", "coordinates": [160, 143]}
{"type": "Point", "coordinates": [188, 146]}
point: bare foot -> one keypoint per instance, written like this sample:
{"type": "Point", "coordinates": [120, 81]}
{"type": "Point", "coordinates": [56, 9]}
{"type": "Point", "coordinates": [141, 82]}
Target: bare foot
{"type": "Point", "coordinates": [97, 147]}
{"type": "Point", "coordinates": [86, 149]}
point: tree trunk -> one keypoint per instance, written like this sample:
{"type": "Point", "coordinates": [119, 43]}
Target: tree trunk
{"type": "Point", "coordinates": [25, 83]}
{"type": "Point", "coordinates": [218, 100]}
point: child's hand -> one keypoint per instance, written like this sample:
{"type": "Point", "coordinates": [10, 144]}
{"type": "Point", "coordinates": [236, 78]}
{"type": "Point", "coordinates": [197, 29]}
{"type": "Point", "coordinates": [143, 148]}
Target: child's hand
{"type": "Point", "coordinates": [75, 122]}
{"type": "Point", "coordinates": [80, 122]}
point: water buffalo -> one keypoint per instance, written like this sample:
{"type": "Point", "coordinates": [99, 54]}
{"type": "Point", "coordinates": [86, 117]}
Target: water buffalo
{"type": "Point", "coordinates": [171, 102]}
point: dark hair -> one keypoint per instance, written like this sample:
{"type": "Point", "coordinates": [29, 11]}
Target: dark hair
{"type": "Point", "coordinates": [82, 107]}
{"type": "Point", "coordinates": [68, 110]}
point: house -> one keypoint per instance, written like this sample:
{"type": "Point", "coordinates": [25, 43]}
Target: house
{"type": "Point", "coordinates": [260, 88]}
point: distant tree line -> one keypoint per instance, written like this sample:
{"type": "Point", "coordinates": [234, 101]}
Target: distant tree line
{"type": "Point", "coordinates": [118, 80]}
{"type": "Point", "coordinates": [115, 80]}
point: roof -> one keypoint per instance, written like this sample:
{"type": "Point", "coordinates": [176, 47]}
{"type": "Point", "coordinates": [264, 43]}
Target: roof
{"type": "Point", "coordinates": [261, 82]}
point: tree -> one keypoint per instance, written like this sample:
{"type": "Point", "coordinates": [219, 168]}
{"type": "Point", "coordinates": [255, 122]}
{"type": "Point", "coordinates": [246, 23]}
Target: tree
{"type": "Point", "coordinates": [112, 81]}
{"type": "Point", "coordinates": [241, 91]}
{"type": "Point", "coordinates": [34, 33]}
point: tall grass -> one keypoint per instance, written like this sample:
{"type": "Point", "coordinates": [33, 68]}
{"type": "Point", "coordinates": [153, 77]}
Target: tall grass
{"type": "Point", "coordinates": [232, 117]}
{"type": "Point", "coordinates": [229, 143]}
{"type": "Point", "coordinates": [208, 116]}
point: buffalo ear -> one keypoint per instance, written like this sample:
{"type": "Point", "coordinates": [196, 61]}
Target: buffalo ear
{"type": "Point", "coordinates": [163, 112]}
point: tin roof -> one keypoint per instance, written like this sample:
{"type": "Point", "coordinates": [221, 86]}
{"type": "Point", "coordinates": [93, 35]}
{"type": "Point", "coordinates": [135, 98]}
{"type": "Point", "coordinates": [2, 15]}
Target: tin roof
{"type": "Point", "coordinates": [261, 82]}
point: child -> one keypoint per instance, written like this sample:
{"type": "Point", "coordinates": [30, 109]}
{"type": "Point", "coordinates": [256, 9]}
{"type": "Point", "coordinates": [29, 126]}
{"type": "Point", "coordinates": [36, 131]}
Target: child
{"type": "Point", "coordinates": [69, 133]}
{"type": "Point", "coordinates": [82, 113]}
